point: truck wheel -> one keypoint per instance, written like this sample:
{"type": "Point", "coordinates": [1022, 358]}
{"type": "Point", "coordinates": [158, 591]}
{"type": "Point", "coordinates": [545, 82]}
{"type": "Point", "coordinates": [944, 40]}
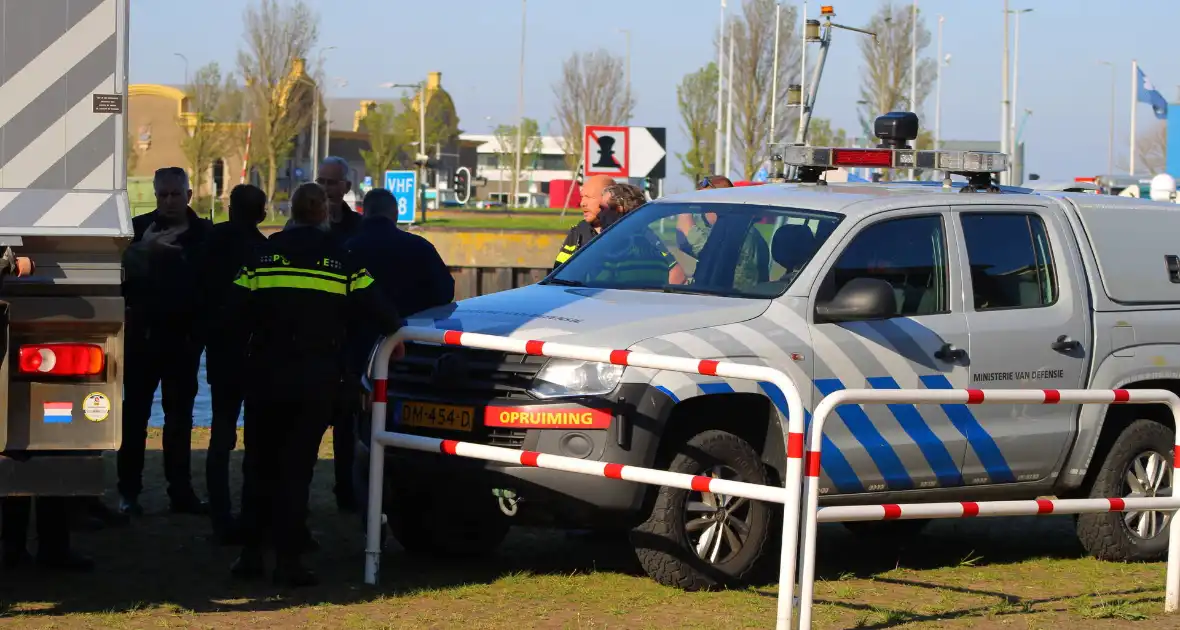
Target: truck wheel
{"type": "Point", "coordinates": [888, 532]}
{"type": "Point", "coordinates": [1138, 465]}
{"type": "Point", "coordinates": [445, 523]}
{"type": "Point", "coordinates": [701, 540]}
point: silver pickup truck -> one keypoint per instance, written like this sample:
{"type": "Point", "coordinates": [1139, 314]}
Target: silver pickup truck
{"type": "Point", "coordinates": [957, 286]}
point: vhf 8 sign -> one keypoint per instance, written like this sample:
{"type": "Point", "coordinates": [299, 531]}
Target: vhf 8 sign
{"type": "Point", "coordinates": [624, 151]}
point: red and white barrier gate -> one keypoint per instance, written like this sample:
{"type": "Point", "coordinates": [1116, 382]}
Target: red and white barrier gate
{"type": "Point", "coordinates": [813, 515]}
{"type": "Point", "coordinates": [792, 439]}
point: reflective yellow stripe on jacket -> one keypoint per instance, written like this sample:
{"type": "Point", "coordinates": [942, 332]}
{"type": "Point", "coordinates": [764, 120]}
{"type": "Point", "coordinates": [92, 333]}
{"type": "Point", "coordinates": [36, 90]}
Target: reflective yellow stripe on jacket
{"type": "Point", "coordinates": [360, 280]}
{"type": "Point", "coordinates": [291, 278]}
{"type": "Point", "coordinates": [565, 253]}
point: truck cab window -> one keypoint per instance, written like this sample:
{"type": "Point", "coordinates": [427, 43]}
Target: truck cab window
{"type": "Point", "coordinates": [1011, 265]}
{"type": "Point", "coordinates": [909, 254]}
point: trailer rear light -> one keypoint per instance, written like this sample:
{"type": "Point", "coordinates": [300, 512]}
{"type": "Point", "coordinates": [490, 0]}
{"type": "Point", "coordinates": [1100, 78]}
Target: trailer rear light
{"type": "Point", "coordinates": [62, 359]}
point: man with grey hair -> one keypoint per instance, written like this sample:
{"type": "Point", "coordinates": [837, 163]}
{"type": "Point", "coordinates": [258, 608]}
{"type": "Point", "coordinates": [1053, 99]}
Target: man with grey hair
{"type": "Point", "coordinates": [162, 343]}
{"type": "Point", "coordinates": [333, 177]}
{"type": "Point", "coordinates": [407, 269]}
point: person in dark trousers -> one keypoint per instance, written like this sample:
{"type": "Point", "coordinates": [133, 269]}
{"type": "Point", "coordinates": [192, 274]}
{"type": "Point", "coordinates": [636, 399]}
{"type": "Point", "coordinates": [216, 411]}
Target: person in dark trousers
{"type": "Point", "coordinates": [345, 224]}
{"type": "Point", "coordinates": [162, 340]}
{"type": "Point", "coordinates": [295, 301]}
{"type": "Point", "coordinates": [53, 513]}
{"type": "Point", "coordinates": [229, 247]}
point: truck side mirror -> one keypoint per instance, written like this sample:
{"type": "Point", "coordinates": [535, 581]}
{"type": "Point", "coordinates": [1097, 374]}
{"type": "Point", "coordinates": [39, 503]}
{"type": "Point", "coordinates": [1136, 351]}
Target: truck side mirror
{"type": "Point", "coordinates": [861, 299]}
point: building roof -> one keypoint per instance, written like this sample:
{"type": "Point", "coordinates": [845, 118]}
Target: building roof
{"type": "Point", "coordinates": [342, 112]}
{"type": "Point", "coordinates": [489, 143]}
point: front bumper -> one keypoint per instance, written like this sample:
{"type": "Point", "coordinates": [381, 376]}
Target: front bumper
{"type": "Point", "coordinates": [548, 497]}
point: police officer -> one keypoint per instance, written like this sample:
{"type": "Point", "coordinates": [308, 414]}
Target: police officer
{"type": "Point", "coordinates": [228, 249]}
{"type": "Point", "coordinates": [295, 301]}
{"type": "Point", "coordinates": [590, 225]}
{"type": "Point", "coordinates": [53, 522]}
{"type": "Point", "coordinates": [162, 339]}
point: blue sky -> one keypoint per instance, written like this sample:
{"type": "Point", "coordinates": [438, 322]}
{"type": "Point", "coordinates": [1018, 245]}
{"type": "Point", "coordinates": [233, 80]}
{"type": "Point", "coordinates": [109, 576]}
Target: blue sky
{"type": "Point", "coordinates": [475, 44]}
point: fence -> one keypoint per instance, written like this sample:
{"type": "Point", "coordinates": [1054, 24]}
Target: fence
{"type": "Point", "coordinates": [792, 438]}
{"type": "Point", "coordinates": [812, 515]}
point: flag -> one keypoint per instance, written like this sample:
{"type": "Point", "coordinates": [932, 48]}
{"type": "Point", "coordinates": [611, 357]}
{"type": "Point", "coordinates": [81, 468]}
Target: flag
{"type": "Point", "coordinates": [59, 412]}
{"type": "Point", "coordinates": [1146, 93]}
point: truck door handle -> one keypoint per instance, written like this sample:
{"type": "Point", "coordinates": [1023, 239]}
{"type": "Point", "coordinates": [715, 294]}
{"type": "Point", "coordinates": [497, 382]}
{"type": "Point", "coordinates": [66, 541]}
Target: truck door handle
{"type": "Point", "coordinates": [950, 354]}
{"type": "Point", "coordinates": [1065, 344]}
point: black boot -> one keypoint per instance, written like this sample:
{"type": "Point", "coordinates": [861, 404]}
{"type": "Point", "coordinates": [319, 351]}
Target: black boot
{"type": "Point", "coordinates": [290, 572]}
{"type": "Point", "coordinates": [251, 565]}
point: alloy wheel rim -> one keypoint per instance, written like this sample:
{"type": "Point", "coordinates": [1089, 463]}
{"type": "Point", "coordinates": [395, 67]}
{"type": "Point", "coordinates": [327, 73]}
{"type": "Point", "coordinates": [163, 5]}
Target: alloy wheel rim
{"type": "Point", "coordinates": [1148, 475]}
{"type": "Point", "coordinates": [716, 525]}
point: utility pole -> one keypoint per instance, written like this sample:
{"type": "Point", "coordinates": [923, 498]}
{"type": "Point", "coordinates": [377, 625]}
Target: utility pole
{"type": "Point", "coordinates": [1005, 104]}
{"type": "Point", "coordinates": [774, 73]}
{"type": "Point", "coordinates": [729, 113]}
{"type": "Point", "coordinates": [720, 82]}
{"type": "Point", "coordinates": [1015, 85]}
{"type": "Point", "coordinates": [519, 104]}
{"type": "Point", "coordinates": [1110, 138]}
{"type": "Point", "coordinates": [914, 58]}
{"type": "Point", "coordinates": [627, 33]}
{"type": "Point", "coordinates": [938, 90]}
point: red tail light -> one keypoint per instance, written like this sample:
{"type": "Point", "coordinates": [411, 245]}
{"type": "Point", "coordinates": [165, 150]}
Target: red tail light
{"type": "Point", "coordinates": [862, 157]}
{"type": "Point", "coordinates": [62, 359]}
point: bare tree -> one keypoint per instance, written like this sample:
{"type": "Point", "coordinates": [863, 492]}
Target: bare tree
{"type": "Point", "coordinates": [753, 77]}
{"type": "Point", "coordinates": [387, 141]}
{"type": "Point", "coordinates": [592, 91]}
{"type": "Point", "coordinates": [530, 151]}
{"type": "Point", "coordinates": [131, 151]}
{"type": "Point", "coordinates": [696, 97]}
{"type": "Point", "coordinates": [279, 34]}
{"type": "Point", "coordinates": [207, 138]}
{"type": "Point", "coordinates": [885, 77]}
{"type": "Point", "coordinates": [1151, 149]}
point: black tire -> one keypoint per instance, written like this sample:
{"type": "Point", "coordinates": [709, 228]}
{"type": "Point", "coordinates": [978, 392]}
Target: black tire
{"type": "Point", "coordinates": [446, 524]}
{"type": "Point", "coordinates": [663, 544]}
{"type": "Point", "coordinates": [890, 533]}
{"type": "Point", "coordinates": [1107, 536]}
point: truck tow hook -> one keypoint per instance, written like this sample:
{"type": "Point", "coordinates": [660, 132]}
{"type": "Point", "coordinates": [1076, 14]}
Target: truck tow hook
{"type": "Point", "coordinates": [508, 500]}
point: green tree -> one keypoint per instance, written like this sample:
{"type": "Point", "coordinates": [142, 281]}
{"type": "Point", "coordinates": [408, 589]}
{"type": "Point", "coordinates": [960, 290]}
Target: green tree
{"type": "Point", "coordinates": [279, 35]}
{"type": "Point", "coordinates": [207, 138]}
{"type": "Point", "coordinates": [530, 151]}
{"type": "Point", "coordinates": [387, 140]}
{"type": "Point", "coordinates": [821, 134]}
{"type": "Point", "coordinates": [696, 97]}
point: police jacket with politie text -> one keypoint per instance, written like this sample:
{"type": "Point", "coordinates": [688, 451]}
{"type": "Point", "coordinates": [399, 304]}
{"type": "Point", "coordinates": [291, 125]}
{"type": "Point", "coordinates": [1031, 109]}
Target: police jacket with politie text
{"type": "Point", "coordinates": [297, 300]}
{"type": "Point", "coordinates": [578, 236]}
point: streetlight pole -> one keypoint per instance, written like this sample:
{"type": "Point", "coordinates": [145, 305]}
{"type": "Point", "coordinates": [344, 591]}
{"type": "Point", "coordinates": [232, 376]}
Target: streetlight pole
{"type": "Point", "coordinates": [720, 80]}
{"type": "Point", "coordinates": [729, 113]}
{"type": "Point", "coordinates": [938, 90]}
{"type": "Point", "coordinates": [774, 72]}
{"type": "Point", "coordinates": [914, 59]}
{"type": "Point", "coordinates": [1110, 138]}
{"type": "Point", "coordinates": [519, 106]}
{"type": "Point", "coordinates": [627, 33]}
{"type": "Point", "coordinates": [1015, 86]}
{"type": "Point", "coordinates": [1005, 105]}
{"type": "Point", "coordinates": [185, 60]}
{"type": "Point", "coordinates": [328, 123]}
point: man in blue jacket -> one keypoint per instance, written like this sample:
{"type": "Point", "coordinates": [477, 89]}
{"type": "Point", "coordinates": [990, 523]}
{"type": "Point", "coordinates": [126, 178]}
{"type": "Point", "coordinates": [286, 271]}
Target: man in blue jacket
{"type": "Point", "coordinates": [411, 274]}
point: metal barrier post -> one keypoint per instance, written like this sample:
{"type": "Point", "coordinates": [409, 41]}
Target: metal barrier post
{"type": "Point", "coordinates": [792, 435]}
{"type": "Point", "coordinates": [992, 508]}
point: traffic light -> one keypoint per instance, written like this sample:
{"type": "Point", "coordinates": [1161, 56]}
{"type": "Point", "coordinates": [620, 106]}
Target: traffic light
{"type": "Point", "coordinates": [461, 182]}
{"type": "Point", "coordinates": [579, 177]}
{"type": "Point", "coordinates": [647, 185]}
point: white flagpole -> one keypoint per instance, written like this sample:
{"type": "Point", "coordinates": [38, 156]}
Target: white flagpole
{"type": "Point", "coordinates": [729, 105]}
{"type": "Point", "coordinates": [1134, 99]}
{"type": "Point", "coordinates": [720, 78]}
{"type": "Point", "coordinates": [774, 78]}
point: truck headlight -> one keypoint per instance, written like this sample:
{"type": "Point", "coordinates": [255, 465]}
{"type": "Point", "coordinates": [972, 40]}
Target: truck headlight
{"type": "Point", "coordinates": [564, 377]}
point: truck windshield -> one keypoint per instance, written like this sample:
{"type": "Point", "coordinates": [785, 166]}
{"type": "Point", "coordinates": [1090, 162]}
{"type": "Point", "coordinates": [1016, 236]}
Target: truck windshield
{"type": "Point", "coordinates": [734, 250]}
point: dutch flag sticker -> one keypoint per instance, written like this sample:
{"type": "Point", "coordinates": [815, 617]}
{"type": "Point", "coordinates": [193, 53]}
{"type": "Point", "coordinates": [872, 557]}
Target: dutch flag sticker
{"type": "Point", "coordinates": [59, 412]}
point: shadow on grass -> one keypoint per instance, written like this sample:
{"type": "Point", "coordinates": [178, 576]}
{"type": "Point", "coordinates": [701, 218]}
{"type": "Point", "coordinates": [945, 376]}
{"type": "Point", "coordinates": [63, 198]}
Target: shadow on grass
{"type": "Point", "coordinates": [163, 559]}
{"type": "Point", "coordinates": [168, 560]}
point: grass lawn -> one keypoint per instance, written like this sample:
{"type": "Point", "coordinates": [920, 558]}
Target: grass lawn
{"type": "Point", "coordinates": [503, 222]}
{"type": "Point", "coordinates": [162, 572]}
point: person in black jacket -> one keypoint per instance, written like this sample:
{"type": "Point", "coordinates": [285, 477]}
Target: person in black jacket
{"type": "Point", "coordinates": [296, 301]}
{"type": "Point", "coordinates": [162, 341]}
{"type": "Point", "coordinates": [333, 177]}
{"type": "Point", "coordinates": [228, 249]}
{"type": "Point", "coordinates": [589, 226]}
